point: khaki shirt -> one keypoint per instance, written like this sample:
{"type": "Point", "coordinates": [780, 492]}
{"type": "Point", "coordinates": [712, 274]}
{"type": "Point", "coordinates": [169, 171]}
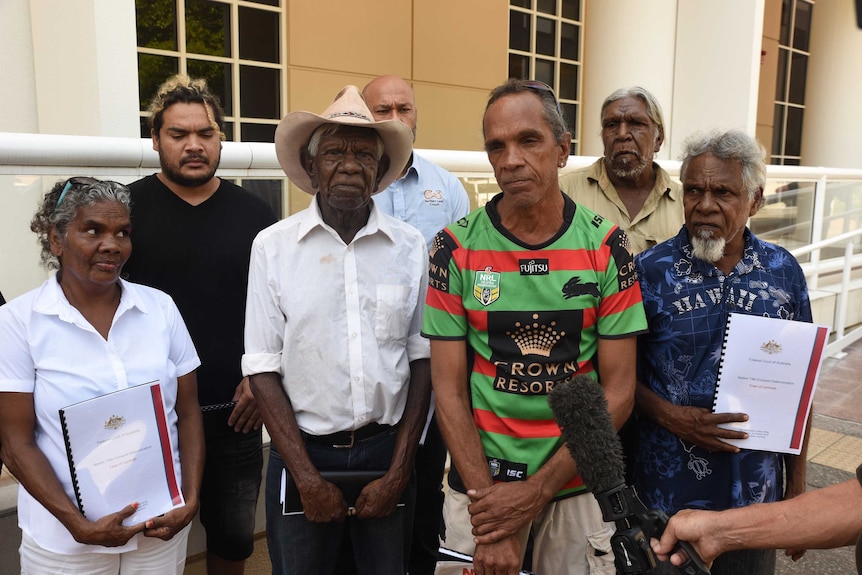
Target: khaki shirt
{"type": "Point", "coordinates": [660, 218]}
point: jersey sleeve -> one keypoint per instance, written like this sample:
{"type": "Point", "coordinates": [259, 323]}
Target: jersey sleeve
{"type": "Point", "coordinates": [621, 312]}
{"type": "Point", "coordinates": [445, 316]}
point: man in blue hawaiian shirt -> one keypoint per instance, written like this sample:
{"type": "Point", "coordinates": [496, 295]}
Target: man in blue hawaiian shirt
{"type": "Point", "coordinates": [690, 284]}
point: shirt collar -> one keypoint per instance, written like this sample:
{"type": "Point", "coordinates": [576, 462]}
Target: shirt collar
{"type": "Point", "coordinates": [599, 174]}
{"type": "Point", "coordinates": [52, 301]}
{"type": "Point", "coordinates": [311, 219]}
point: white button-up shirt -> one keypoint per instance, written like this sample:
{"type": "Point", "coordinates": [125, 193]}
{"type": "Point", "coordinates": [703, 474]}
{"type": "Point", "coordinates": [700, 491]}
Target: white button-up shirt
{"type": "Point", "coordinates": [48, 349]}
{"type": "Point", "coordinates": [339, 322]}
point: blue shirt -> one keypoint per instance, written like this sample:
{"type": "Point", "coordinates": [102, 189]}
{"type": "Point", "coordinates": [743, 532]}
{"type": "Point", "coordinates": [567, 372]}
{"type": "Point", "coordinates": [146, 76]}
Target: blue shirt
{"type": "Point", "coordinates": [687, 302]}
{"type": "Point", "coordinates": [428, 197]}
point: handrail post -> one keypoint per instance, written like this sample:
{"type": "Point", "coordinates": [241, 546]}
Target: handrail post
{"type": "Point", "coordinates": [841, 310]}
{"type": "Point", "coordinates": [817, 227]}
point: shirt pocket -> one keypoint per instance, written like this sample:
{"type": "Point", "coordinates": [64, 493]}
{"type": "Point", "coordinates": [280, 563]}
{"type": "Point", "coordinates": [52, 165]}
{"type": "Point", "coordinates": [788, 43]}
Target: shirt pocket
{"type": "Point", "coordinates": [392, 316]}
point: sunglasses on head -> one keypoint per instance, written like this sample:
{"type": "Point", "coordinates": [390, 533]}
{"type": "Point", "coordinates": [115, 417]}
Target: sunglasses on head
{"type": "Point", "coordinates": [78, 181]}
{"type": "Point", "coordinates": [538, 86]}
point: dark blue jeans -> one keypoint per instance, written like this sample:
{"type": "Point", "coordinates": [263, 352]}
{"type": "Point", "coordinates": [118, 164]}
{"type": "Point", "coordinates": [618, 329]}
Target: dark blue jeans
{"type": "Point", "coordinates": [299, 547]}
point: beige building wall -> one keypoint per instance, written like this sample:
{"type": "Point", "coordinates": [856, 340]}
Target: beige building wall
{"type": "Point", "coordinates": [452, 61]}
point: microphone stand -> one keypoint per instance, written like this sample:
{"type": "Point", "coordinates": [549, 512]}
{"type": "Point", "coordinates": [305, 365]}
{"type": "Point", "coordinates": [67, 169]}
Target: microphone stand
{"type": "Point", "coordinates": [636, 525]}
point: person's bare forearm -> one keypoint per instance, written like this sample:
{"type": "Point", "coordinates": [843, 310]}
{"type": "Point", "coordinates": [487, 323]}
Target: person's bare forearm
{"type": "Point", "coordinates": [820, 519]}
{"type": "Point", "coordinates": [412, 421]}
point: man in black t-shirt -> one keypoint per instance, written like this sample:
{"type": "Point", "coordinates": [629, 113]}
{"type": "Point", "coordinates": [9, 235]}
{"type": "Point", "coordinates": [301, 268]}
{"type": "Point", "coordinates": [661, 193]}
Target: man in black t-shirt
{"type": "Point", "coordinates": [192, 235]}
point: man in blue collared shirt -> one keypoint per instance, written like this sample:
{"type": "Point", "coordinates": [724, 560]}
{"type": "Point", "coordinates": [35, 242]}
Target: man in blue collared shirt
{"type": "Point", "coordinates": [429, 198]}
{"type": "Point", "coordinates": [690, 284]}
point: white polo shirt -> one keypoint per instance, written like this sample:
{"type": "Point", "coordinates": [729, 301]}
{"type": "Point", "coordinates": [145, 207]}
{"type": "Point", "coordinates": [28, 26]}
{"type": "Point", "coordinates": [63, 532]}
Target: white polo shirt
{"type": "Point", "coordinates": [339, 322]}
{"type": "Point", "coordinates": [51, 351]}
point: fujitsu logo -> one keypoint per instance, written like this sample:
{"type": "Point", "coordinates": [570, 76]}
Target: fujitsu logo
{"type": "Point", "coordinates": [533, 267]}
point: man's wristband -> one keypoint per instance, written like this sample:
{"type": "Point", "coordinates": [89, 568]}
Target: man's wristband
{"type": "Point", "coordinates": [859, 474]}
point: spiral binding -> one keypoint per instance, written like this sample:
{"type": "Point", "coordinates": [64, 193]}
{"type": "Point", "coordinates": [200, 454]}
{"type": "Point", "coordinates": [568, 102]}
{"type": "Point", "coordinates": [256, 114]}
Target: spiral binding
{"type": "Point", "coordinates": [71, 462]}
{"type": "Point", "coordinates": [721, 361]}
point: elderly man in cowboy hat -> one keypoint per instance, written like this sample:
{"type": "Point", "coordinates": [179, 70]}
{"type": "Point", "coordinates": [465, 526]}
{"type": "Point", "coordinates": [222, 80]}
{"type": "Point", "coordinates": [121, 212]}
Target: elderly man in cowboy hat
{"type": "Point", "coordinates": [333, 345]}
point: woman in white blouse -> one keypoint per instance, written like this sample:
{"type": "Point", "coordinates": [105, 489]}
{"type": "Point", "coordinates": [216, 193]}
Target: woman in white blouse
{"type": "Point", "coordinates": [81, 334]}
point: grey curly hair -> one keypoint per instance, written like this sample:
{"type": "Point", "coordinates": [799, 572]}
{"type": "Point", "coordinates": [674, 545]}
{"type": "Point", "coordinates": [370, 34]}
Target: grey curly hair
{"type": "Point", "coordinates": [60, 206]}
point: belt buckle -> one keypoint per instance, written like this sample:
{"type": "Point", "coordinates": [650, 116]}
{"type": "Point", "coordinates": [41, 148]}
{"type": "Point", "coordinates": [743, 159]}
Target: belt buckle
{"type": "Point", "coordinates": [347, 445]}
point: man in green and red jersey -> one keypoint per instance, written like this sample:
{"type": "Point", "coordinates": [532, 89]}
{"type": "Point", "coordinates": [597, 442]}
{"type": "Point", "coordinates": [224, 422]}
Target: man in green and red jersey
{"type": "Point", "coordinates": [531, 289]}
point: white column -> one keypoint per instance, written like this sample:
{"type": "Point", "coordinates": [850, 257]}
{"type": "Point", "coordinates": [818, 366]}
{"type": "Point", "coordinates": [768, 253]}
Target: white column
{"type": "Point", "coordinates": [18, 88]}
{"type": "Point", "coordinates": [717, 67]}
{"type": "Point", "coordinates": [626, 44]}
{"type": "Point", "coordinates": [831, 124]}
{"type": "Point", "coordinates": [85, 61]}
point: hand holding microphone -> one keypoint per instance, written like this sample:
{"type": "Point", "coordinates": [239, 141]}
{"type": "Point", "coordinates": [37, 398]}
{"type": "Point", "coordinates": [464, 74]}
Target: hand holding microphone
{"type": "Point", "coordinates": [581, 411]}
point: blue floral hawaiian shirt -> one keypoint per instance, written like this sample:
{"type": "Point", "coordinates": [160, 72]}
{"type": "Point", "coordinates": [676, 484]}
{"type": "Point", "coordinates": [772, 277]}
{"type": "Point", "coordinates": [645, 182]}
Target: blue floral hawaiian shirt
{"type": "Point", "coordinates": [687, 303]}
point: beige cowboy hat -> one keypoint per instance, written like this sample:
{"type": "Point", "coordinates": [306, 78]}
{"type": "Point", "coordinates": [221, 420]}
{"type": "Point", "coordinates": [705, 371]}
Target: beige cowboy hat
{"type": "Point", "coordinates": [348, 108]}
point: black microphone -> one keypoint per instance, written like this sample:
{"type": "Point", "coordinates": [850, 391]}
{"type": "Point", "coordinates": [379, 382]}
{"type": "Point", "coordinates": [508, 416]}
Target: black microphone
{"type": "Point", "coordinates": [581, 410]}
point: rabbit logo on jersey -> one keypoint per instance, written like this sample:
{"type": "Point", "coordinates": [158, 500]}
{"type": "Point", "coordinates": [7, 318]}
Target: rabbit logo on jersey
{"type": "Point", "coordinates": [486, 286]}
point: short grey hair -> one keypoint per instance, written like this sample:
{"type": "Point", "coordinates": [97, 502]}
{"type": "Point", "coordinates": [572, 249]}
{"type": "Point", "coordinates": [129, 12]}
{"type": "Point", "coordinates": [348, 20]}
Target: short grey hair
{"type": "Point", "coordinates": [325, 130]}
{"type": "Point", "coordinates": [551, 109]}
{"type": "Point", "coordinates": [60, 206]}
{"type": "Point", "coordinates": [653, 108]}
{"type": "Point", "coordinates": [730, 145]}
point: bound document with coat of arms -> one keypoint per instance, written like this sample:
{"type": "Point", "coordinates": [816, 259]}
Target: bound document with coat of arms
{"type": "Point", "coordinates": [120, 452]}
{"type": "Point", "coordinates": [769, 369]}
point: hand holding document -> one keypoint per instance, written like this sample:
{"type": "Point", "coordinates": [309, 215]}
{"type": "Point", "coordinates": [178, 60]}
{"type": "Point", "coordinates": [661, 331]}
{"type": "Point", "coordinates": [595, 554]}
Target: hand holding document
{"type": "Point", "coordinates": [769, 370]}
{"type": "Point", "coordinates": [120, 452]}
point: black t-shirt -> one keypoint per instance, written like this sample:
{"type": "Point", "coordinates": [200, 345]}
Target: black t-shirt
{"type": "Point", "coordinates": [200, 256]}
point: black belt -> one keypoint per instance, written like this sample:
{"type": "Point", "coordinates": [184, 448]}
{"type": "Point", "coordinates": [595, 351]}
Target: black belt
{"type": "Point", "coordinates": [346, 439]}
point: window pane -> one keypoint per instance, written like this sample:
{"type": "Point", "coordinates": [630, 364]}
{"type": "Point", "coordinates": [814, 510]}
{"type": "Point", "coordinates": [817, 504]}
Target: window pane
{"type": "Point", "coordinates": [145, 127]}
{"type": "Point", "coordinates": [270, 191]}
{"type": "Point", "coordinates": [521, 3]}
{"type": "Point", "coordinates": [793, 137]}
{"type": "Point", "coordinates": [786, 13]}
{"type": "Point", "coordinates": [569, 36]}
{"type": "Point", "coordinates": [798, 68]}
{"type": "Point", "coordinates": [781, 79]}
{"type": "Point", "coordinates": [802, 26]}
{"type": "Point", "coordinates": [570, 112]}
{"type": "Point", "coordinates": [547, 6]}
{"type": "Point", "coordinates": [257, 132]}
{"type": "Point", "coordinates": [152, 71]}
{"type": "Point", "coordinates": [519, 31]}
{"type": "Point", "coordinates": [572, 9]}
{"type": "Point", "coordinates": [568, 81]}
{"type": "Point", "coordinates": [157, 23]}
{"type": "Point", "coordinates": [778, 131]}
{"type": "Point", "coordinates": [545, 71]}
{"type": "Point", "coordinates": [208, 28]}
{"type": "Point", "coordinates": [546, 36]}
{"type": "Point", "coordinates": [258, 35]}
{"type": "Point", "coordinates": [259, 93]}
{"type": "Point", "coordinates": [519, 67]}
{"type": "Point", "coordinates": [228, 131]}
{"type": "Point", "coordinates": [265, 2]}
{"type": "Point", "coordinates": [219, 79]}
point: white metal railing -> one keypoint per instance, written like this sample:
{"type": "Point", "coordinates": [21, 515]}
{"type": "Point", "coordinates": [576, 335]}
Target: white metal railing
{"type": "Point", "coordinates": [825, 203]}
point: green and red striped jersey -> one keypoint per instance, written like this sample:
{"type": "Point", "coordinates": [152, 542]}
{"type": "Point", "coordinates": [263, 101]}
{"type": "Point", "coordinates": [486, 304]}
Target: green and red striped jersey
{"type": "Point", "coordinates": [533, 317]}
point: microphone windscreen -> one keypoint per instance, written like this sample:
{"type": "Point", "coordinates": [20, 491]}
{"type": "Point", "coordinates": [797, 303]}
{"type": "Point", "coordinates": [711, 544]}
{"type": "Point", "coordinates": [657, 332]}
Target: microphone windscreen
{"type": "Point", "coordinates": [581, 410]}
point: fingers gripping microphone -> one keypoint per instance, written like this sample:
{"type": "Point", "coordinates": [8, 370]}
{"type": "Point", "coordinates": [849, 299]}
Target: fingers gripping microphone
{"type": "Point", "coordinates": [581, 411]}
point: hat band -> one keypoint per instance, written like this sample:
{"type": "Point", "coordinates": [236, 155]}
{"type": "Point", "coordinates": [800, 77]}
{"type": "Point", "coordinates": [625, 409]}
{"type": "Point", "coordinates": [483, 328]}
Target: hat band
{"type": "Point", "coordinates": [351, 114]}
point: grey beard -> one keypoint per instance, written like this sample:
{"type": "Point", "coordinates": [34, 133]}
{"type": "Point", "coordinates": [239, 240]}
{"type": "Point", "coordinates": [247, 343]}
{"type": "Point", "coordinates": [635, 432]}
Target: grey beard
{"type": "Point", "coordinates": [632, 172]}
{"type": "Point", "coordinates": [707, 248]}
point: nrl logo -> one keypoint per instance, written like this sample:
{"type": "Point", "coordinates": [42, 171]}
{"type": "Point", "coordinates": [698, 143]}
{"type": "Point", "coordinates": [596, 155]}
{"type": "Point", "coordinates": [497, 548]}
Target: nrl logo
{"type": "Point", "coordinates": [486, 286]}
{"type": "Point", "coordinates": [495, 467]}
{"type": "Point", "coordinates": [115, 422]}
{"type": "Point", "coordinates": [771, 347]}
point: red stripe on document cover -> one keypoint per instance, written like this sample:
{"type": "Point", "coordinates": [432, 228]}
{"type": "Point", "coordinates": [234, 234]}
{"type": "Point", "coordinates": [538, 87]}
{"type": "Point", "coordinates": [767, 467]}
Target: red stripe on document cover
{"type": "Point", "coordinates": [164, 439]}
